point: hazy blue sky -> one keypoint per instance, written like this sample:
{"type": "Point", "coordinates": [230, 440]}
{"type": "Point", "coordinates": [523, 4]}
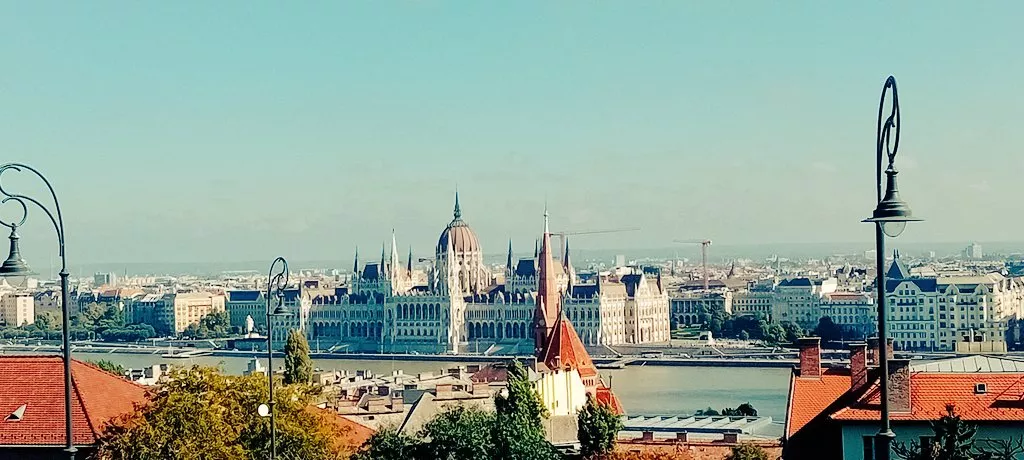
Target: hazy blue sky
{"type": "Point", "coordinates": [197, 130]}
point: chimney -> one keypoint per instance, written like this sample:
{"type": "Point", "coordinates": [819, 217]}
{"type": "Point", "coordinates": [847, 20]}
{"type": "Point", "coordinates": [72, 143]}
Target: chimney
{"type": "Point", "coordinates": [858, 365]}
{"type": "Point", "coordinates": [873, 350]}
{"type": "Point", "coordinates": [899, 385]}
{"type": "Point", "coordinates": [810, 357]}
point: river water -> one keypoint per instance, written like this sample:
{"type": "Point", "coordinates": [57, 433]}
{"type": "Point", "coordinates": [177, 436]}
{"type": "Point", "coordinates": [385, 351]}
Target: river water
{"type": "Point", "coordinates": [661, 390]}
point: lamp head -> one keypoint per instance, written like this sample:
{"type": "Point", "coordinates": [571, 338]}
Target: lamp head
{"type": "Point", "coordinates": [892, 212]}
{"type": "Point", "coordinates": [14, 268]}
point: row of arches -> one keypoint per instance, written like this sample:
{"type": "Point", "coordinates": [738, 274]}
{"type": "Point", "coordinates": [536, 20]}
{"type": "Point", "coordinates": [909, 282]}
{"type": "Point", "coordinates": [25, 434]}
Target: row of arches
{"type": "Point", "coordinates": [357, 329]}
{"type": "Point", "coordinates": [477, 331]}
{"type": "Point", "coordinates": [418, 311]}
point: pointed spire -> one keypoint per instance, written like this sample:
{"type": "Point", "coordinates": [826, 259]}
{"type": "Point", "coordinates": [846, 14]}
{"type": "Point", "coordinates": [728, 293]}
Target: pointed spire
{"type": "Point", "coordinates": [383, 250]}
{"type": "Point", "coordinates": [548, 295]}
{"type": "Point", "coordinates": [408, 265]}
{"type": "Point", "coordinates": [394, 250]}
{"type": "Point", "coordinates": [355, 263]}
{"type": "Point", "coordinates": [458, 209]}
{"type": "Point", "coordinates": [546, 231]}
{"type": "Point", "coordinates": [508, 264]}
{"type": "Point", "coordinates": [566, 263]}
{"type": "Point", "coordinates": [536, 249]}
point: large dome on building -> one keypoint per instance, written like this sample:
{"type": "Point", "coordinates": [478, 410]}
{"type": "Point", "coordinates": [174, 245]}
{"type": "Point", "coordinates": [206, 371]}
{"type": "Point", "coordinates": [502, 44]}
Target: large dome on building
{"type": "Point", "coordinates": [463, 239]}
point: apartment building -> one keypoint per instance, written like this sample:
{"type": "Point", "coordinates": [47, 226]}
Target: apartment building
{"type": "Point", "coordinates": [173, 313]}
{"type": "Point", "coordinates": [17, 309]}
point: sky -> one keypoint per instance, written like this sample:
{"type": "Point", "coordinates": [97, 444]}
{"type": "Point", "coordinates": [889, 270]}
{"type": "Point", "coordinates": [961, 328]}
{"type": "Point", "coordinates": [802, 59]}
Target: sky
{"type": "Point", "coordinates": [243, 130]}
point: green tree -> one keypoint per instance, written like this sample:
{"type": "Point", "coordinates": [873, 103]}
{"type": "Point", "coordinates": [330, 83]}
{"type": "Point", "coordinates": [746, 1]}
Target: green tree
{"type": "Point", "coordinates": [460, 432]}
{"type": "Point", "coordinates": [298, 367]}
{"type": "Point", "coordinates": [201, 414]}
{"type": "Point", "coordinates": [598, 427]}
{"type": "Point", "coordinates": [518, 430]}
{"type": "Point", "coordinates": [211, 326]}
{"type": "Point", "coordinates": [390, 444]}
{"type": "Point", "coordinates": [793, 331]}
{"type": "Point", "coordinates": [747, 451]}
{"type": "Point", "coordinates": [744, 335]}
{"type": "Point", "coordinates": [110, 367]}
{"type": "Point", "coordinates": [828, 330]}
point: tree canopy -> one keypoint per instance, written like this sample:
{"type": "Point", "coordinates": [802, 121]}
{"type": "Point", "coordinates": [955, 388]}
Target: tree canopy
{"type": "Point", "coordinates": [747, 451]}
{"type": "Point", "coordinates": [954, 440]}
{"type": "Point", "coordinates": [298, 367]}
{"type": "Point", "coordinates": [201, 414]}
{"type": "Point", "coordinates": [518, 429]}
{"type": "Point", "coordinates": [212, 326]}
{"type": "Point", "coordinates": [597, 427]}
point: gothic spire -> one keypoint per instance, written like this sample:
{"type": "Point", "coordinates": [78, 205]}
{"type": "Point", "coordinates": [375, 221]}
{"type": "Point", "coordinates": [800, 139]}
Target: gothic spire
{"type": "Point", "coordinates": [548, 297]}
{"type": "Point", "coordinates": [536, 249]}
{"type": "Point", "coordinates": [355, 263]}
{"type": "Point", "coordinates": [394, 251]}
{"type": "Point", "coordinates": [382, 268]}
{"type": "Point", "coordinates": [458, 209]}
{"type": "Point", "coordinates": [408, 265]}
{"type": "Point", "coordinates": [508, 264]}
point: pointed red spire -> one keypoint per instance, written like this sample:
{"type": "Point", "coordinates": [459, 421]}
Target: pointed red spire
{"type": "Point", "coordinates": [548, 295]}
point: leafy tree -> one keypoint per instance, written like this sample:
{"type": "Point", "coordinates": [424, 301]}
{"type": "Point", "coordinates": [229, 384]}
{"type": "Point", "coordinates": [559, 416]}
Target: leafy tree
{"type": "Point", "coordinates": [828, 330]}
{"type": "Point", "coordinates": [747, 451]}
{"type": "Point", "coordinates": [518, 430]}
{"type": "Point", "coordinates": [746, 410]}
{"type": "Point", "coordinates": [110, 367]}
{"type": "Point", "coordinates": [793, 331]}
{"type": "Point", "coordinates": [201, 414]}
{"type": "Point", "coordinates": [211, 326]}
{"type": "Point", "coordinates": [744, 335]}
{"type": "Point", "coordinates": [129, 333]}
{"type": "Point", "coordinates": [707, 412]}
{"type": "Point", "coordinates": [461, 432]}
{"type": "Point", "coordinates": [298, 367]}
{"type": "Point", "coordinates": [598, 427]}
{"type": "Point", "coordinates": [954, 440]}
{"type": "Point", "coordinates": [389, 444]}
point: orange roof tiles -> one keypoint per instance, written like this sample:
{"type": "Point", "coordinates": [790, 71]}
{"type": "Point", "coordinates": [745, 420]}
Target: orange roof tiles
{"type": "Point", "coordinates": [38, 383]}
{"type": "Point", "coordinates": [607, 397]}
{"type": "Point", "coordinates": [565, 350]}
{"type": "Point", "coordinates": [809, 397]}
{"type": "Point", "coordinates": [930, 393]}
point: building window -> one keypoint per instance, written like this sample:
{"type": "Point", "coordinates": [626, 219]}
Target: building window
{"type": "Point", "coordinates": [869, 448]}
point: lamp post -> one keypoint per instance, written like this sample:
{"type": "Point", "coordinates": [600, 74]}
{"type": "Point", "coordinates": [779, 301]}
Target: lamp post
{"type": "Point", "coordinates": [277, 281]}
{"type": "Point", "coordinates": [15, 267]}
{"type": "Point", "coordinates": [890, 217]}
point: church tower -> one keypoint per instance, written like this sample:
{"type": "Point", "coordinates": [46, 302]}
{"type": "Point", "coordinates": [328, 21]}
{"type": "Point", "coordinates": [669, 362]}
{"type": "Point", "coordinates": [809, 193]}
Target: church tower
{"type": "Point", "coordinates": [549, 296]}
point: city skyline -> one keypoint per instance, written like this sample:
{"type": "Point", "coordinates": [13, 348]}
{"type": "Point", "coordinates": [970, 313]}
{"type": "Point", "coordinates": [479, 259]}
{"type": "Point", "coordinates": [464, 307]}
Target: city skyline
{"type": "Point", "coordinates": [164, 128]}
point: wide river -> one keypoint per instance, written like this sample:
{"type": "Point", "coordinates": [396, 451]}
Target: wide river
{"type": "Point", "coordinates": [663, 390]}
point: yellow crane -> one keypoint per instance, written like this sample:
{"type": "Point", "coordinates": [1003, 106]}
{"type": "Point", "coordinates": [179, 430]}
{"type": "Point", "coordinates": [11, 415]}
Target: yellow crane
{"type": "Point", "coordinates": [703, 253]}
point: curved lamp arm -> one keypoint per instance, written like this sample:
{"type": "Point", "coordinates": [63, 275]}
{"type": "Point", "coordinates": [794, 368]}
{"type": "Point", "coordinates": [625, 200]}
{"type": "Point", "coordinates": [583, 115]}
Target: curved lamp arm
{"type": "Point", "coordinates": [277, 279]}
{"type": "Point", "coordinates": [888, 132]}
{"type": "Point", "coordinates": [56, 218]}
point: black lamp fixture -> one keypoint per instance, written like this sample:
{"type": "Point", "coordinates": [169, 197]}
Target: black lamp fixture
{"type": "Point", "coordinates": [277, 282]}
{"type": "Point", "coordinates": [890, 217]}
{"type": "Point", "coordinates": [15, 268]}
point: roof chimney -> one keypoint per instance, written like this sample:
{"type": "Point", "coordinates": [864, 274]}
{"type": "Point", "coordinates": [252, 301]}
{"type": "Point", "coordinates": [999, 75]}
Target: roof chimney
{"type": "Point", "coordinates": [899, 385]}
{"type": "Point", "coordinates": [858, 365]}
{"type": "Point", "coordinates": [873, 350]}
{"type": "Point", "coordinates": [810, 357]}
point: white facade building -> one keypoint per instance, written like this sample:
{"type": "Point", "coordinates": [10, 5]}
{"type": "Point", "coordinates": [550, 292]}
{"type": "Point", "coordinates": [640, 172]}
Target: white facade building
{"type": "Point", "coordinates": [17, 309]}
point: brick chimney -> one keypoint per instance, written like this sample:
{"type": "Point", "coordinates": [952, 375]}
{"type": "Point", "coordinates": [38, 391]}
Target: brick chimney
{"type": "Point", "coordinates": [873, 350]}
{"type": "Point", "coordinates": [899, 385]}
{"type": "Point", "coordinates": [858, 365]}
{"type": "Point", "coordinates": [810, 357]}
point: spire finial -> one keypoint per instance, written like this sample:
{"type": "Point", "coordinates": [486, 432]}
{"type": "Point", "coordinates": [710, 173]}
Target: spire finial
{"type": "Point", "coordinates": [546, 217]}
{"type": "Point", "coordinates": [458, 209]}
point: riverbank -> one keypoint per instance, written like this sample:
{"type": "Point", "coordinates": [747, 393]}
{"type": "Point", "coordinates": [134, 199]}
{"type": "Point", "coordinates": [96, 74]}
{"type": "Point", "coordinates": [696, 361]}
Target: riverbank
{"type": "Point", "coordinates": [606, 363]}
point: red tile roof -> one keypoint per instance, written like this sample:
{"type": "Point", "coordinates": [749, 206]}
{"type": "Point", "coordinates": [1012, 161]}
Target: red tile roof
{"type": "Point", "coordinates": [607, 397]}
{"type": "Point", "coordinates": [565, 350]}
{"type": "Point", "coordinates": [38, 383]}
{"type": "Point", "coordinates": [931, 392]}
{"type": "Point", "coordinates": [809, 397]}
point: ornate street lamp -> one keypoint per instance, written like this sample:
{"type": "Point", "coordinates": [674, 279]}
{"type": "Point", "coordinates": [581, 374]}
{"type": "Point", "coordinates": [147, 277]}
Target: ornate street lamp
{"type": "Point", "coordinates": [277, 281]}
{"type": "Point", "coordinates": [15, 268]}
{"type": "Point", "coordinates": [890, 217]}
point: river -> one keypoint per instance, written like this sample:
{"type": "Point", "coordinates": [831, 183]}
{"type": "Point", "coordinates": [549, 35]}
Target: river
{"type": "Point", "coordinates": [661, 390]}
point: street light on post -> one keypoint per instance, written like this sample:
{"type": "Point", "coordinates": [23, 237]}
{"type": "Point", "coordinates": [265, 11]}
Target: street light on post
{"type": "Point", "coordinates": [890, 217]}
{"type": "Point", "coordinates": [16, 268]}
{"type": "Point", "coordinates": [277, 281]}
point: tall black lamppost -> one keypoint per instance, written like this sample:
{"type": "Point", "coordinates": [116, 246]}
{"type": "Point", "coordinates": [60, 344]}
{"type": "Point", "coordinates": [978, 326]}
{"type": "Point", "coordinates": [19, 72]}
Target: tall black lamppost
{"type": "Point", "coordinates": [890, 218]}
{"type": "Point", "coordinates": [277, 281]}
{"type": "Point", "coordinates": [15, 267]}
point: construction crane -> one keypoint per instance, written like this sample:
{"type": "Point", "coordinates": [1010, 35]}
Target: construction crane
{"type": "Point", "coordinates": [703, 253]}
{"type": "Point", "coordinates": [561, 235]}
